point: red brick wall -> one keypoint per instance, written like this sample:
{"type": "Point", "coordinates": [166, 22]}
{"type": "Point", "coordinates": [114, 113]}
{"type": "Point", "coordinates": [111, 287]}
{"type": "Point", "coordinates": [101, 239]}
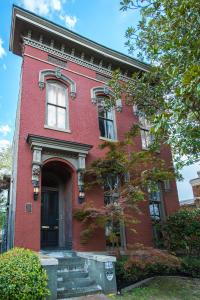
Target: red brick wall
{"type": "Point", "coordinates": [84, 129]}
{"type": "Point", "coordinates": [196, 190]}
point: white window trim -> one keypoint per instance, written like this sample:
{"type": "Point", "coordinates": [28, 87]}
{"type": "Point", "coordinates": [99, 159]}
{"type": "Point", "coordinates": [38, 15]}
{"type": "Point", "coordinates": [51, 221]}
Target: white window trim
{"type": "Point", "coordinates": [67, 129]}
{"type": "Point", "coordinates": [56, 128]}
{"type": "Point", "coordinates": [114, 125]}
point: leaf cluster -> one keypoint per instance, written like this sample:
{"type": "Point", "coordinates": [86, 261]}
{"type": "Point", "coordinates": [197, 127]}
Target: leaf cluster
{"type": "Point", "coordinates": [167, 36]}
{"type": "Point", "coordinates": [135, 172]}
{"type": "Point", "coordinates": [22, 276]}
{"type": "Point", "coordinates": [181, 232]}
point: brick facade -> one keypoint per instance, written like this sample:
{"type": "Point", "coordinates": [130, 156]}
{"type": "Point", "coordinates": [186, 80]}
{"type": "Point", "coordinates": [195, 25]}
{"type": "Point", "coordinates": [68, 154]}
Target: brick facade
{"type": "Point", "coordinates": [84, 130]}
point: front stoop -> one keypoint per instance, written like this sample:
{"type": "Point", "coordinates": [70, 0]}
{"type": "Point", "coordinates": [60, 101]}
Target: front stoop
{"type": "Point", "coordinates": [73, 279]}
{"type": "Point", "coordinates": [74, 274]}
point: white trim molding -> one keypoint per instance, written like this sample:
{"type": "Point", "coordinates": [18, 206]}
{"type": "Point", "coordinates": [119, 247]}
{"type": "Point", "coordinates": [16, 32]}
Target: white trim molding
{"type": "Point", "coordinates": [57, 74]}
{"type": "Point", "coordinates": [95, 91]}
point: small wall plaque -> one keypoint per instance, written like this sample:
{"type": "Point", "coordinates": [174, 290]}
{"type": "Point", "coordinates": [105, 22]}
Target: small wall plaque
{"type": "Point", "coordinates": [28, 208]}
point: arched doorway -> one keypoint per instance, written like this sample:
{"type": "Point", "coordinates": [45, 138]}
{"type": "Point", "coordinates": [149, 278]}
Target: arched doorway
{"type": "Point", "coordinates": [56, 206]}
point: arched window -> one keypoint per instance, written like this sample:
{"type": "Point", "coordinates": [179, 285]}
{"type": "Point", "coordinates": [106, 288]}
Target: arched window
{"type": "Point", "coordinates": [106, 118]}
{"type": "Point", "coordinates": [57, 110]}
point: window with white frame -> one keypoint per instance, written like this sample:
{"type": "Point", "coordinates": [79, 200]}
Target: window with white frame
{"type": "Point", "coordinates": [57, 106]}
{"type": "Point", "coordinates": [155, 203]}
{"type": "Point", "coordinates": [111, 196]}
{"type": "Point", "coordinates": [106, 119]}
{"type": "Point", "coordinates": [157, 212]}
{"type": "Point", "coordinates": [111, 189]}
{"type": "Point", "coordinates": [146, 136]}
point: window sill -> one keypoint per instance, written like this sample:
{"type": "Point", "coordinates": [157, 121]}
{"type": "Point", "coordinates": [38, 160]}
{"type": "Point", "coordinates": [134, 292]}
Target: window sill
{"type": "Point", "coordinates": [108, 140]}
{"type": "Point", "coordinates": [57, 129]}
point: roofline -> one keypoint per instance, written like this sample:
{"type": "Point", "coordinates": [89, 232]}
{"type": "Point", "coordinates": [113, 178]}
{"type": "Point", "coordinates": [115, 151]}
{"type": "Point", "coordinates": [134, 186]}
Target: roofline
{"type": "Point", "coordinates": [59, 30]}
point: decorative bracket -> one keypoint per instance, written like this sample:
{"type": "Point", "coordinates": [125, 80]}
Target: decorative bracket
{"type": "Point", "coordinates": [36, 163]}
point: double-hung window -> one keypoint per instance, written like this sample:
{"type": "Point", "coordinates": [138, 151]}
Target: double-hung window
{"type": "Point", "coordinates": [57, 106]}
{"type": "Point", "coordinates": [111, 189]}
{"type": "Point", "coordinates": [146, 136]}
{"type": "Point", "coordinates": [157, 212]}
{"type": "Point", "coordinates": [106, 121]}
{"type": "Point", "coordinates": [113, 229]}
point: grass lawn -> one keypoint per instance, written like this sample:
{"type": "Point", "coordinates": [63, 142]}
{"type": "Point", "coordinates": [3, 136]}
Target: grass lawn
{"type": "Point", "coordinates": [165, 289]}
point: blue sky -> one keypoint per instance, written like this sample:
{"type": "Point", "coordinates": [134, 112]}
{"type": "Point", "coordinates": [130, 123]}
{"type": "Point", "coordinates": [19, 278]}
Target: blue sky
{"type": "Point", "coordinates": [99, 20]}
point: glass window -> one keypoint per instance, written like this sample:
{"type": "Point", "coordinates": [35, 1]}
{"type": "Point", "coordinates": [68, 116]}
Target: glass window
{"type": "Point", "coordinates": [106, 121]}
{"type": "Point", "coordinates": [155, 204]}
{"type": "Point", "coordinates": [111, 195]}
{"type": "Point", "coordinates": [156, 210]}
{"type": "Point", "coordinates": [147, 138]}
{"type": "Point", "coordinates": [111, 188]}
{"type": "Point", "coordinates": [57, 110]}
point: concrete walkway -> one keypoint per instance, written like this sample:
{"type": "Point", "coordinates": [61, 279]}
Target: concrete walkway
{"type": "Point", "coordinates": [91, 297]}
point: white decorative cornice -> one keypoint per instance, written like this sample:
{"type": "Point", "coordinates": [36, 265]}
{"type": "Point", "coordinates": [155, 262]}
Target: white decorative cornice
{"type": "Point", "coordinates": [71, 57]}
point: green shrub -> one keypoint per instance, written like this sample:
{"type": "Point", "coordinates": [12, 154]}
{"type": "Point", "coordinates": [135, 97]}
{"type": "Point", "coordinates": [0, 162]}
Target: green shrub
{"type": "Point", "coordinates": [142, 262]}
{"type": "Point", "coordinates": [22, 276]}
{"type": "Point", "coordinates": [181, 232]}
{"type": "Point", "coordinates": [190, 266]}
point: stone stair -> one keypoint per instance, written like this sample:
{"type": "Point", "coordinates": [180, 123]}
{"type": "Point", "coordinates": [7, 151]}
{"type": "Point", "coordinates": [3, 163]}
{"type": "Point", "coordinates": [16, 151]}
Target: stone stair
{"type": "Point", "coordinates": [73, 279]}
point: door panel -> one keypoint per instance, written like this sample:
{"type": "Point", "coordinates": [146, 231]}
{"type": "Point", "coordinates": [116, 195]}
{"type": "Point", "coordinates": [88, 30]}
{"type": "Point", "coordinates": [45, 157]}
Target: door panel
{"type": "Point", "coordinates": [49, 219]}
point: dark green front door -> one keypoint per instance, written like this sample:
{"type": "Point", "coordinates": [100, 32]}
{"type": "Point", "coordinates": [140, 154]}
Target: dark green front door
{"type": "Point", "coordinates": [49, 219]}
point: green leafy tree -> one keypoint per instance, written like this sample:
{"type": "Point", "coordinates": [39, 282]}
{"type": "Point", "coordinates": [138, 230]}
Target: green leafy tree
{"type": "Point", "coordinates": [168, 37]}
{"type": "Point", "coordinates": [5, 170]}
{"type": "Point", "coordinates": [125, 175]}
{"type": "Point", "coordinates": [181, 232]}
{"type": "Point", "coordinates": [5, 161]}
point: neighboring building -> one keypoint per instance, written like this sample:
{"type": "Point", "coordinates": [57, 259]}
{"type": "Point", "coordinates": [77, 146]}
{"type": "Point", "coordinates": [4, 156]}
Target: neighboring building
{"type": "Point", "coordinates": [195, 183]}
{"type": "Point", "coordinates": [195, 202]}
{"type": "Point", "coordinates": [60, 123]}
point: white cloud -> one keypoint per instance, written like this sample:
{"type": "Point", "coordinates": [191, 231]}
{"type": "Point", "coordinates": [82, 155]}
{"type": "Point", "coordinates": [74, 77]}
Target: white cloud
{"type": "Point", "coordinates": [42, 7]}
{"type": "Point", "coordinates": [57, 5]}
{"type": "Point", "coordinates": [4, 144]}
{"type": "Point", "coordinates": [5, 129]}
{"type": "Point", "coordinates": [2, 50]}
{"type": "Point", "coordinates": [70, 21]}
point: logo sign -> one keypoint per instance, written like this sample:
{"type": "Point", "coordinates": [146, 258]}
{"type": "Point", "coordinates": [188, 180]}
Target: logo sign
{"type": "Point", "coordinates": [109, 275]}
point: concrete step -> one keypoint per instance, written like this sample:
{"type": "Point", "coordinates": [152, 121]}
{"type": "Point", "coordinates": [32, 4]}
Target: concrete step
{"type": "Point", "coordinates": [70, 260]}
{"type": "Point", "coordinates": [63, 293]}
{"type": "Point", "coordinates": [76, 282]}
{"type": "Point", "coordinates": [72, 274]}
{"type": "Point", "coordinates": [71, 268]}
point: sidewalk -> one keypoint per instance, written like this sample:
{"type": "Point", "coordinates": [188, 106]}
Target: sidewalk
{"type": "Point", "coordinates": [91, 297]}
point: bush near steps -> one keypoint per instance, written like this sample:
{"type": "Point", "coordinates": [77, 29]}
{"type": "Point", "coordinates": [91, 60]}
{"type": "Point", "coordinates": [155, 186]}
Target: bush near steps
{"type": "Point", "coordinates": [22, 276]}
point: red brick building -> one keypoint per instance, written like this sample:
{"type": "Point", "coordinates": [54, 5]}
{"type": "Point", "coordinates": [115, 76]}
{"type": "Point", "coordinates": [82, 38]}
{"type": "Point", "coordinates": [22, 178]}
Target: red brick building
{"type": "Point", "coordinates": [59, 125]}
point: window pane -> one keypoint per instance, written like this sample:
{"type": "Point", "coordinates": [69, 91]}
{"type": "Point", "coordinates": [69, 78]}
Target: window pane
{"type": "Point", "coordinates": [144, 139]}
{"type": "Point", "coordinates": [51, 97]}
{"type": "Point", "coordinates": [110, 129]}
{"type": "Point", "coordinates": [51, 115]}
{"type": "Point", "coordinates": [61, 117]}
{"type": "Point", "coordinates": [101, 112]}
{"type": "Point", "coordinates": [102, 127]}
{"type": "Point", "coordinates": [109, 114]}
{"type": "Point", "coordinates": [61, 96]}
